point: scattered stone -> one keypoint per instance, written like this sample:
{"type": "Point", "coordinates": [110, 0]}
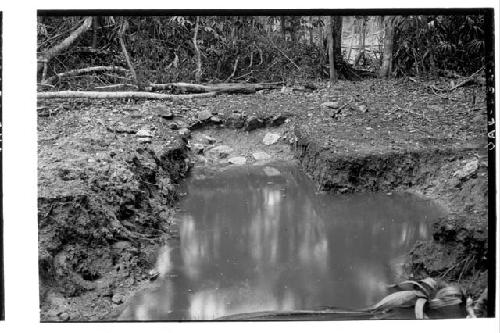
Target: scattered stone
{"type": "Point", "coordinates": [195, 124]}
{"type": "Point", "coordinates": [122, 245]}
{"type": "Point", "coordinates": [469, 168]}
{"type": "Point", "coordinates": [363, 108]}
{"type": "Point", "coordinates": [271, 172]}
{"type": "Point", "coordinates": [260, 155]}
{"type": "Point", "coordinates": [184, 133]}
{"type": "Point", "coordinates": [117, 299]}
{"type": "Point", "coordinates": [64, 316]}
{"type": "Point", "coordinates": [331, 105]}
{"type": "Point", "coordinates": [221, 151]}
{"type": "Point", "coordinates": [270, 138]}
{"type": "Point", "coordinates": [253, 123]}
{"type": "Point", "coordinates": [369, 128]}
{"type": "Point", "coordinates": [198, 148]}
{"type": "Point", "coordinates": [278, 120]}
{"type": "Point", "coordinates": [144, 140]}
{"type": "Point", "coordinates": [207, 140]}
{"type": "Point", "coordinates": [235, 120]}
{"type": "Point", "coordinates": [144, 133]}
{"type": "Point", "coordinates": [164, 112]}
{"type": "Point", "coordinates": [238, 160]}
{"type": "Point", "coordinates": [173, 126]}
{"type": "Point", "coordinates": [204, 115]}
{"type": "Point", "coordinates": [216, 120]}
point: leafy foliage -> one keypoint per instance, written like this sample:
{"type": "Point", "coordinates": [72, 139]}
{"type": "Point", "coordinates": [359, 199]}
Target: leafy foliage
{"type": "Point", "coordinates": [430, 45]}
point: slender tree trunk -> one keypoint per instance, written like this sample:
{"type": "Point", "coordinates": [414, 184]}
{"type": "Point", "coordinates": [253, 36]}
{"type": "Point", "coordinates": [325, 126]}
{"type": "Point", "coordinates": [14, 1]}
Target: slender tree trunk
{"type": "Point", "coordinates": [121, 33]}
{"type": "Point", "coordinates": [282, 22]}
{"type": "Point", "coordinates": [197, 74]}
{"type": "Point", "coordinates": [362, 36]}
{"type": "Point", "coordinates": [95, 27]}
{"type": "Point", "coordinates": [311, 36]}
{"type": "Point", "coordinates": [331, 54]}
{"type": "Point", "coordinates": [337, 36]}
{"type": "Point", "coordinates": [353, 31]}
{"type": "Point", "coordinates": [386, 68]}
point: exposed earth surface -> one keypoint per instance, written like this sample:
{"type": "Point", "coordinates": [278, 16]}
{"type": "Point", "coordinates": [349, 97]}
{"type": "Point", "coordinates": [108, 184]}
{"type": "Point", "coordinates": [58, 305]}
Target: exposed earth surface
{"type": "Point", "coordinates": [109, 175]}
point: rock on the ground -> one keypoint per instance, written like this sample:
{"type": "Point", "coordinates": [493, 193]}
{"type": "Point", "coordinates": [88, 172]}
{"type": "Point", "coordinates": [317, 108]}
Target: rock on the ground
{"type": "Point", "coordinates": [271, 172]}
{"type": "Point", "coordinates": [260, 155]}
{"type": "Point", "coordinates": [204, 115]}
{"type": "Point", "coordinates": [216, 120]}
{"type": "Point", "coordinates": [363, 108]}
{"type": "Point", "coordinates": [253, 123]}
{"type": "Point", "coordinates": [207, 140]}
{"type": "Point", "coordinates": [270, 138]}
{"type": "Point", "coordinates": [144, 133]}
{"type": "Point", "coordinates": [144, 140]}
{"type": "Point", "coordinates": [221, 151]}
{"type": "Point", "coordinates": [117, 299]}
{"type": "Point", "coordinates": [173, 126]}
{"type": "Point", "coordinates": [198, 148]}
{"type": "Point", "coordinates": [64, 316]}
{"type": "Point", "coordinates": [238, 160]}
{"type": "Point", "coordinates": [184, 133]}
{"type": "Point", "coordinates": [331, 105]}
{"type": "Point", "coordinates": [235, 120]}
{"type": "Point", "coordinates": [277, 120]}
{"type": "Point", "coordinates": [165, 113]}
{"type": "Point", "coordinates": [469, 168]}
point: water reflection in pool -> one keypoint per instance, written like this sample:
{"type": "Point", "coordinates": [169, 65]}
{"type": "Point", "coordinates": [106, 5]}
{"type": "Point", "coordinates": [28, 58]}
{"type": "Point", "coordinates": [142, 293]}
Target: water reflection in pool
{"type": "Point", "coordinates": [261, 239]}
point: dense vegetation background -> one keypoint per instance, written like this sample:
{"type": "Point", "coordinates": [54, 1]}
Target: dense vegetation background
{"type": "Point", "coordinates": [264, 48]}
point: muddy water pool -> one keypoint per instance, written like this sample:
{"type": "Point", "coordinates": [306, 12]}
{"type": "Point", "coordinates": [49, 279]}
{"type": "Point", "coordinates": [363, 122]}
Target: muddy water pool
{"type": "Point", "coordinates": [260, 238]}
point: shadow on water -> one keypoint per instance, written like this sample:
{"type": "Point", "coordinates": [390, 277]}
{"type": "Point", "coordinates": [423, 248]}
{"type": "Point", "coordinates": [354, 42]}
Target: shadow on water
{"type": "Point", "coordinates": [260, 238]}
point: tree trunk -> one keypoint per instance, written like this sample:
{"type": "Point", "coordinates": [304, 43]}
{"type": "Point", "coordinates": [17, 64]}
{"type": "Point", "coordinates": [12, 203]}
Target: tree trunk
{"type": "Point", "coordinates": [353, 32]}
{"type": "Point", "coordinates": [282, 22]}
{"type": "Point", "coordinates": [331, 54]}
{"type": "Point", "coordinates": [197, 74]}
{"type": "Point", "coordinates": [311, 36]}
{"type": "Point", "coordinates": [386, 68]}
{"type": "Point", "coordinates": [337, 36]}
{"type": "Point", "coordinates": [49, 54]}
{"type": "Point", "coordinates": [362, 37]}
{"type": "Point", "coordinates": [121, 33]}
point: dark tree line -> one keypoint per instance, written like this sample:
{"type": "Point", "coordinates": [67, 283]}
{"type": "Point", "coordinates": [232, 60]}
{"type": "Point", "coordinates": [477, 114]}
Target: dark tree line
{"type": "Point", "coordinates": [258, 48]}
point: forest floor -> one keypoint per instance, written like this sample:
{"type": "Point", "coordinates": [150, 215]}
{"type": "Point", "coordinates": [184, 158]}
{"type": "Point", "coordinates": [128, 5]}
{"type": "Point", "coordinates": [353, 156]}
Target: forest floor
{"type": "Point", "coordinates": [109, 174]}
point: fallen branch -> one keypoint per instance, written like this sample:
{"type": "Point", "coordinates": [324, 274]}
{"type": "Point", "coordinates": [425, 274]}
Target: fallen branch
{"type": "Point", "coordinates": [117, 94]}
{"type": "Point", "coordinates": [116, 86]}
{"type": "Point", "coordinates": [86, 70]}
{"type": "Point", "coordinates": [219, 88]}
{"type": "Point", "coordinates": [470, 78]}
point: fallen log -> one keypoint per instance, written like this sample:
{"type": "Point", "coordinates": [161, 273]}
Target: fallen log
{"type": "Point", "coordinates": [86, 70]}
{"type": "Point", "coordinates": [118, 94]}
{"type": "Point", "coordinates": [230, 88]}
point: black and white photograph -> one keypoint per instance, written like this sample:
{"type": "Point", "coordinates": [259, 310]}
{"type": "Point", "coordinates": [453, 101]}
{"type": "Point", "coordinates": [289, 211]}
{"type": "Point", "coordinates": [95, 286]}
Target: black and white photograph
{"type": "Point", "coordinates": [266, 165]}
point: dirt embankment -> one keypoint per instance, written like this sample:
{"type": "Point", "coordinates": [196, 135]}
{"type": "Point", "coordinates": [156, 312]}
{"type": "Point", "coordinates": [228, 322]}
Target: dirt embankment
{"type": "Point", "coordinates": [109, 174]}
